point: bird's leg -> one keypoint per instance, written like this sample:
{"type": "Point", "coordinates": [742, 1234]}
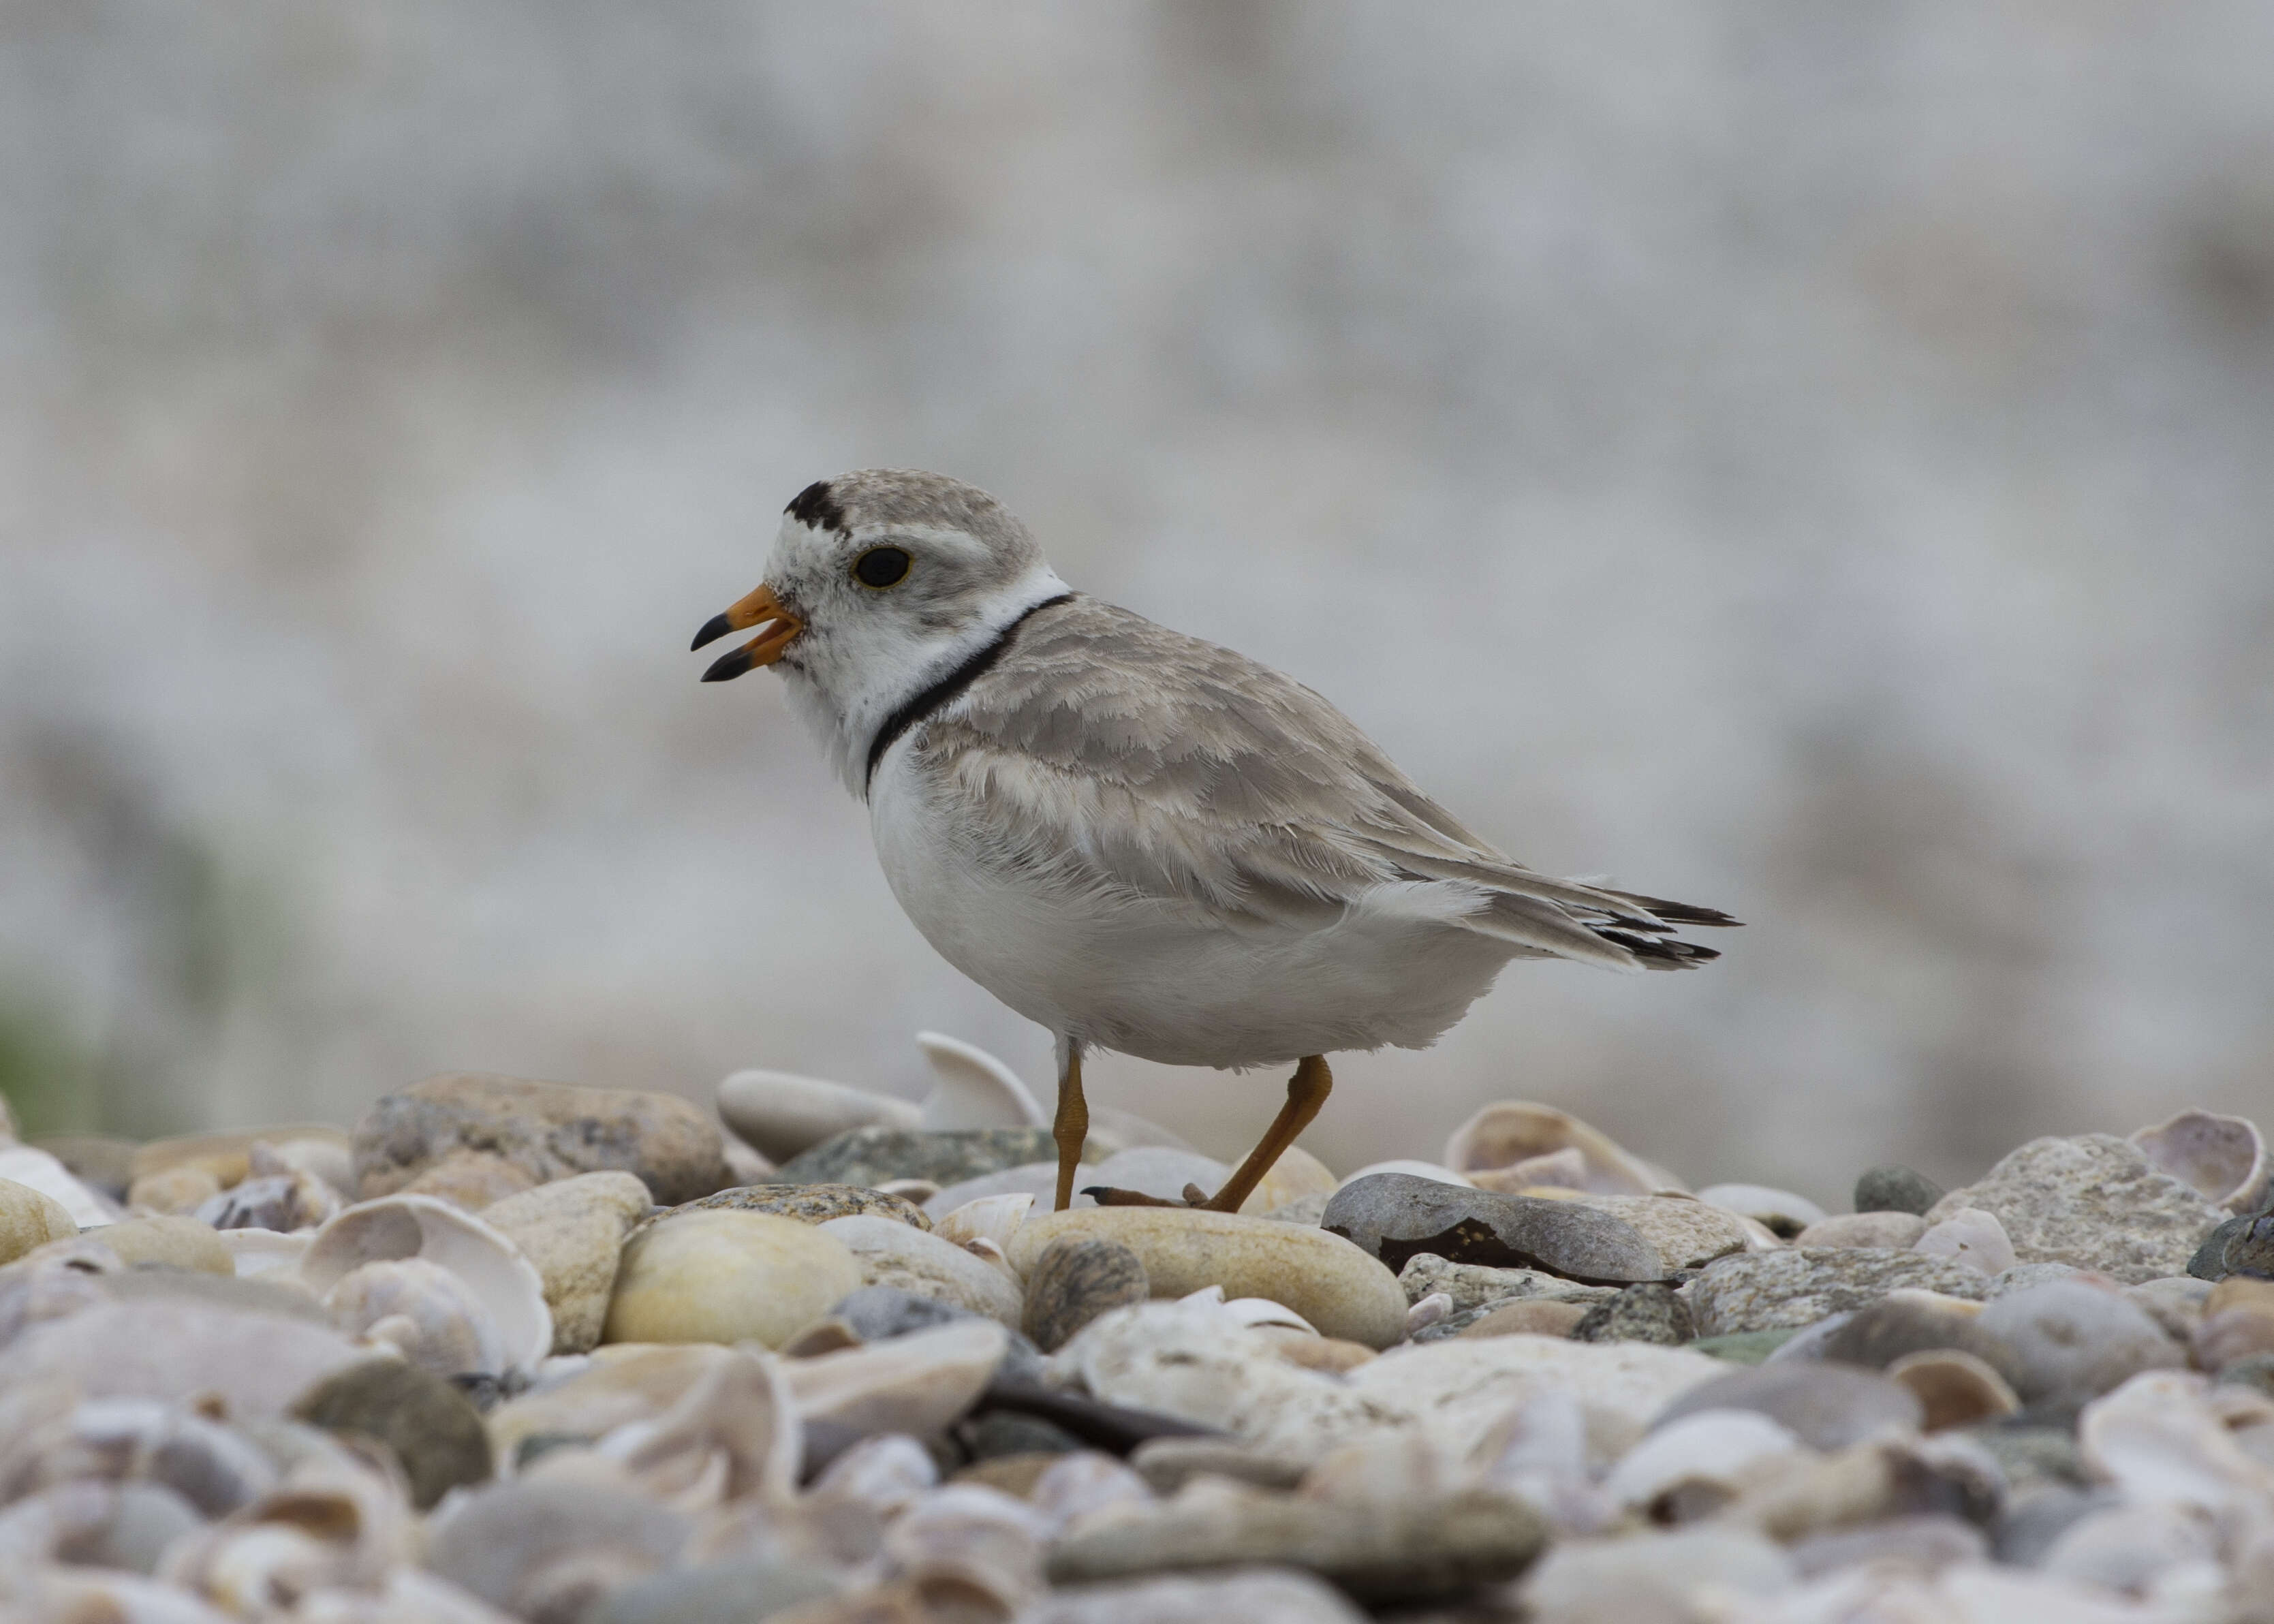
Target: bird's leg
{"type": "Point", "coordinates": [1071, 1127]}
{"type": "Point", "coordinates": [1306, 1092]}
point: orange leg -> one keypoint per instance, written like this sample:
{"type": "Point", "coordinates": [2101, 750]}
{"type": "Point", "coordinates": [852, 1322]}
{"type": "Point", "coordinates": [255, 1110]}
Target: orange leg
{"type": "Point", "coordinates": [1306, 1092]}
{"type": "Point", "coordinates": [1071, 1127]}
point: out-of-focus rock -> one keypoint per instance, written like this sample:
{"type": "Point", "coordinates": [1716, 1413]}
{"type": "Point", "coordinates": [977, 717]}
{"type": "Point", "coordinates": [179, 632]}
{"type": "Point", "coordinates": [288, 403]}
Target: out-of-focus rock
{"type": "Point", "coordinates": [870, 1156]}
{"type": "Point", "coordinates": [1784, 1214]}
{"type": "Point", "coordinates": [30, 1219]}
{"type": "Point", "coordinates": [2095, 1202]}
{"type": "Point", "coordinates": [728, 1277]}
{"type": "Point", "coordinates": [1769, 1290]}
{"type": "Point", "coordinates": [1072, 1280]}
{"type": "Point", "coordinates": [573, 1230]}
{"type": "Point", "coordinates": [783, 1114]}
{"type": "Point", "coordinates": [429, 1424]}
{"type": "Point", "coordinates": [1895, 1189]}
{"type": "Point", "coordinates": [1890, 1231]}
{"type": "Point", "coordinates": [1393, 1216]}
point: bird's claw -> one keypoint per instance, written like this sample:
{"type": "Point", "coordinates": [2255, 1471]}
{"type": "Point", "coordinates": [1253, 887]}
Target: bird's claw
{"type": "Point", "coordinates": [1106, 1195]}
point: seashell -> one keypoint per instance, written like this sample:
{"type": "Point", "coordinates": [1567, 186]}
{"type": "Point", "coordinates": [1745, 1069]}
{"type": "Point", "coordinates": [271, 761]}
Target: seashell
{"type": "Point", "coordinates": [282, 1202]}
{"type": "Point", "coordinates": [917, 1190]}
{"type": "Point", "coordinates": [2131, 1548]}
{"type": "Point", "coordinates": [779, 1114]}
{"type": "Point", "coordinates": [267, 1252]}
{"type": "Point", "coordinates": [735, 1434]}
{"type": "Point", "coordinates": [885, 1473]}
{"type": "Point", "coordinates": [965, 1544]}
{"type": "Point", "coordinates": [337, 1520]}
{"type": "Point", "coordinates": [995, 1218]}
{"type": "Point", "coordinates": [1692, 1468]}
{"type": "Point", "coordinates": [1541, 1452]}
{"type": "Point", "coordinates": [1248, 1311]}
{"type": "Point", "coordinates": [546, 1551]}
{"type": "Point", "coordinates": [184, 1340]}
{"type": "Point", "coordinates": [428, 1314]}
{"type": "Point", "coordinates": [2224, 1159]}
{"type": "Point", "coordinates": [972, 1089]}
{"type": "Point", "coordinates": [2159, 1440]}
{"type": "Point", "coordinates": [1511, 1132]}
{"type": "Point", "coordinates": [617, 1385]}
{"type": "Point", "coordinates": [95, 1523]}
{"type": "Point", "coordinates": [502, 1284]}
{"type": "Point", "coordinates": [1954, 1388]}
{"type": "Point", "coordinates": [1082, 1484]}
{"type": "Point", "coordinates": [1784, 1214]}
{"type": "Point", "coordinates": [89, 1594]}
{"type": "Point", "coordinates": [1437, 1170]}
{"type": "Point", "coordinates": [915, 1384]}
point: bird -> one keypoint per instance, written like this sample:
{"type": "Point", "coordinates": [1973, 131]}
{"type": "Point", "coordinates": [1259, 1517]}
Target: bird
{"type": "Point", "coordinates": [1145, 843]}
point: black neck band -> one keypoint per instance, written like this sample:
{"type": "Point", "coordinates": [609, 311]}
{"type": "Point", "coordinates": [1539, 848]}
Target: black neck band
{"type": "Point", "coordinates": [946, 689]}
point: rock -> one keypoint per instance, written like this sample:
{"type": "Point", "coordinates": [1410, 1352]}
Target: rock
{"type": "Point", "coordinates": [869, 1156]}
{"type": "Point", "coordinates": [2026, 1277]}
{"type": "Point", "coordinates": [178, 1348]}
{"type": "Point", "coordinates": [2031, 1454]}
{"type": "Point", "coordinates": [1895, 1189]}
{"type": "Point", "coordinates": [1305, 1210]}
{"type": "Point", "coordinates": [1768, 1290]}
{"type": "Point", "coordinates": [548, 1129]}
{"type": "Point", "coordinates": [548, 1549]}
{"type": "Point", "coordinates": [22, 1164]}
{"type": "Point", "coordinates": [2209, 1261]}
{"type": "Point", "coordinates": [1377, 1552]}
{"type": "Point", "coordinates": [1338, 1288]}
{"type": "Point", "coordinates": [1783, 1213]}
{"type": "Point", "coordinates": [89, 1523]}
{"type": "Point", "coordinates": [2255, 1371]}
{"type": "Point", "coordinates": [1538, 1317]}
{"type": "Point", "coordinates": [1890, 1231]}
{"type": "Point", "coordinates": [175, 1192]}
{"type": "Point", "coordinates": [1918, 1544]}
{"type": "Point", "coordinates": [715, 1592]}
{"type": "Point", "coordinates": [1742, 1347]}
{"type": "Point", "coordinates": [1393, 1216]}
{"type": "Point", "coordinates": [168, 1243]}
{"type": "Point", "coordinates": [2250, 1249]}
{"type": "Point", "coordinates": [29, 1218]}
{"type": "Point", "coordinates": [2094, 1202]}
{"type": "Point", "coordinates": [1000, 1434]}
{"type": "Point", "coordinates": [573, 1229]}
{"type": "Point", "coordinates": [1650, 1313]}
{"type": "Point", "coordinates": [878, 1313]}
{"type": "Point", "coordinates": [1660, 1578]}
{"type": "Point", "coordinates": [1687, 1233]}
{"type": "Point", "coordinates": [782, 1115]}
{"type": "Point", "coordinates": [1954, 1388]}
{"type": "Point", "coordinates": [1252, 1595]}
{"type": "Point", "coordinates": [303, 1146]}
{"type": "Point", "coordinates": [1692, 1467]}
{"type": "Point", "coordinates": [2064, 1344]}
{"type": "Point", "coordinates": [2175, 1301]}
{"type": "Point", "coordinates": [1472, 1285]}
{"type": "Point", "coordinates": [893, 1253]}
{"type": "Point", "coordinates": [1970, 1236]}
{"type": "Point", "coordinates": [1073, 1281]}
{"type": "Point", "coordinates": [1167, 1463]}
{"type": "Point", "coordinates": [2237, 1323]}
{"type": "Point", "coordinates": [1900, 1324]}
{"type": "Point", "coordinates": [1827, 1407]}
{"type": "Point", "coordinates": [473, 1179]}
{"type": "Point", "coordinates": [728, 1277]}
{"type": "Point", "coordinates": [810, 1203]}
{"type": "Point", "coordinates": [431, 1427]}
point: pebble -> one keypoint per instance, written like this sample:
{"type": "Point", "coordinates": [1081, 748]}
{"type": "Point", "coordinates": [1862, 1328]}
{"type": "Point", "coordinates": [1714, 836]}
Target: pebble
{"type": "Point", "coordinates": [869, 1156]}
{"type": "Point", "coordinates": [2250, 1248]}
{"type": "Point", "coordinates": [176, 1348]}
{"type": "Point", "coordinates": [28, 1219]}
{"type": "Point", "coordinates": [473, 1179]}
{"type": "Point", "coordinates": [896, 1254]}
{"type": "Point", "coordinates": [781, 1115]}
{"type": "Point", "coordinates": [728, 1277]}
{"type": "Point", "coordinates": [1785, 1214]}
{"type": "Point", "coordinates": [2064, 1344]}
{"type": "Point", "coordinates": [878, 1313]}
{"type": "Point", "coordinates": [1650, 1313]}
{"type": "Point", "coordinates": [716, 1592]}
{"type": "Point", "coordinates": [1538, 1317]}
{"type": "Point", "coordinates": [1691, 1466]}
{"type": "Point", "coordinates": [1972, 1237]}
{"type": "Point", "coordinates": [1393, 1216]}
{"type": "Point", "coordinates": [169, 1243]}
{"type": "Point", "coordinates": [433, 1429]}
{"type": "Point", "coordinates": [1251, 1596]}
{"type": "Point", "coordinates": [1826, 1406]}
{"type": "Point", "coordinates": [573, 1229]}
{"type": "Point", "coordinates": [1474, 1285]}
{"type": "Point", "coordinates": [315, 1148]}
{"type": "Point", "coordinates": [2175, 1301]}
{"type": "Point", "coordinates": [1073, 1281]}
{"type": "Point", "coordinates": [1683, 1577]}
{"type": "Point", "coordinates": [1338, 1288]}
{"type": "Point", "coordinates": [1769, 1290]}
{"type": "Point", "coordinates": [1742, 1347]}
{"type": "Point", "coordinates": [548, 1129]}
{"type": "Point", "coordinates": [542, 1549]}
{"type": "Point", "coordinates": [1890, 1230]}
{"type": "Point", "coordinates": [173, 1191]}
{"type": "Point", "coordinates": [2237, 1323]}
{"type": "Point", "coordinates": [1687, 1233]}
{"type": "Point", "coordinates": [811, 1203]}
{"type": "Point", "coordinates": [1918, 1544]}
{"type": "Point", "coordinates": [2208, 1260]}
{"type": "Point", "coordinates": [1895, 1189]}
{"type": "Point", "coordinates": [1955, 1388]}
{"type": "Point", "coordinates": [2094, 1202]}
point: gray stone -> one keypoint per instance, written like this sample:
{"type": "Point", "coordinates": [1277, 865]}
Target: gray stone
{"type": "Point", "coordinates": [2095, 1202]}
{"type": "Point", "coordinates": [1879, 1333]}
{"type": "Point", "coordinates": [1918, 1544]}
{"type": "Point", "coordinates": [2064, 1344]}
{"type": "Point", "coordinates": [433, 1428]}
{"type": "Point", "coordinates": [1395, 1215]}
{"type": "Point", "coordinates": [877, 1313]}
{"type": "Point", "coordinates": [872, 1156]}
{"type": "Point", "coordinates": [1769, 1290]}
{"type": "Point", "coordinates": [1251, 1596]}
{"type": "Point", "coordinates": [1073, 1282]}
{"type": "Point", "coordinates": [1893, 1231]}
{"type": "Point", "coordinates": [2034, 1518]}
{"type": "Point", "coordinates": [730, 1593]}
{"type": "Point", "coordinates": [1649, 1313]}
{"type": "Point", "coordinates": [1826, 1406]}
{"type": "Point", "coordinates": [548, 1129]}
{"type": "Point", "coordinates": [2028, 1276]}
{"type": "Point", "coordinates": [808, 1203]}
{"type": "Point", "coordinates": [507, 1543]}
{"type": "Point", "coordinates": [1895, 1189]}
{"type": "Point", "coordinates": [2031, 1453]}
{"type": "Point", "coordinates": [1474, 1285]}
{"type": "Point", "coordinates": [574, 1230]}
{"type": "Point", "coordinates": [2255, 1371]}
{"type": "Point", "coordinates": [1000, 1434]}
{"type": "Point", "coordinates": [2250, 1249]}
{"type": "Point", "coordinates": [2209, 1259]}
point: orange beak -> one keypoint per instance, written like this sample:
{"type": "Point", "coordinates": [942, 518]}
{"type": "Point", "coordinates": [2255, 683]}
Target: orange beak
{"type": "Point", "coordinates": [760, 608]}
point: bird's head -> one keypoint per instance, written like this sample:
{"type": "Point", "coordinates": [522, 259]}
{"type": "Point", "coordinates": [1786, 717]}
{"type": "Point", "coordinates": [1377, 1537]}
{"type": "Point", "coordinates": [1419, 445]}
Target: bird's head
{"type": "Point", "coordinates": [881, 582]}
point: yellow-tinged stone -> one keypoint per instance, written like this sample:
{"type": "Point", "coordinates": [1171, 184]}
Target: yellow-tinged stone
{"type": "Point", "coordinates": [1342, 1290]}
{"type": "Point", "coordinates": [172, 1241]}
{"type": "Point", "coordinates": [178, 1190]}
{"type": "Point", "coordinates": [1297, 1173]}
{"type": "Point", "coordinates": [29, 1219]}
{"type": "Point", "coordinates": [723, 1276]}
{"type": "Point", "coordinates": [224, 1154]}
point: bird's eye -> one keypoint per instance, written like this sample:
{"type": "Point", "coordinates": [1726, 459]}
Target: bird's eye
{"type": "Point", "coordinates": [881, 567]}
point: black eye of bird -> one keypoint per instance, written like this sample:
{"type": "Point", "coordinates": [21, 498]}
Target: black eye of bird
{"type": "Point", "coordinates": [881, 567]}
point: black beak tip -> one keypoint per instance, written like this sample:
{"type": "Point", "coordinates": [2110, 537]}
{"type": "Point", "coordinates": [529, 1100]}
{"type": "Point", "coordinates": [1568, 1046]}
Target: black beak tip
{"type": "Point", "coordinates": [713, 629]}
{"type": "Point", "coordinates": [728, 666]}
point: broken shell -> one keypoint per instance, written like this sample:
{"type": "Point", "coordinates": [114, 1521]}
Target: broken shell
{"type": "Point", "coordinates": [626, 1383]}
{"type": "Point", "coordinates": [282, 1202]}
{"type": "Point", "coordinates": [503, 1282]}
{"type": "Point", "coordinates": [735, 1433]}
{"type": "Point", "coordinates": [915, 1384]}
{"type": "Point", "coordinates": [973, 1089]}
{"type": "Point", "coordinates": [2222, 1158]}
{"type": "Point", "coordinates": [1954, 1388]}
{"type": "Point", "coordinates": [267, 1252]}
{"type": "Point", "coordinates": [967, 1543]}
{"type": "Point", "coordinates": [1693, 1467]}
{"type": "Point", "coordinates": [885, 1473]}
{"type": "Point", "coordinates": [779, 1113]}
{"type": "Point", "coordinates": [424, 1312]}
{"type": "Point", "coordinates": [995, 1218]}
{"type": "Point", "coordinates": [139, 1439]}
{"type": "Point", "coordinates": [1511, 1132]}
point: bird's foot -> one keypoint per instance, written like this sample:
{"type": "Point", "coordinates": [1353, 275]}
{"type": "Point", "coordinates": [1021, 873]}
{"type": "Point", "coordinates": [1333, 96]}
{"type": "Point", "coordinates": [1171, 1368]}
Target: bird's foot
{"type": "Point", "coordinates": [1106, 1195]}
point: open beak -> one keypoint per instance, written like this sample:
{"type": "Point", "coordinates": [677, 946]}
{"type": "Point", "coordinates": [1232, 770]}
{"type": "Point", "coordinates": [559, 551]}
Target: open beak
{"type": "Point", "coordinates": [760, 608]}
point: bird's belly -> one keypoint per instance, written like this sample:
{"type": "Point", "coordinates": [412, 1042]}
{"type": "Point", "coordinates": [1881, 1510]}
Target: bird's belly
{"type": "Point", "coordinates": [1163, 981]}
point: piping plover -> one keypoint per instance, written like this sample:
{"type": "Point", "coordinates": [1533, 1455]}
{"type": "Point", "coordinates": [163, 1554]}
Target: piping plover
{"type": "Point", "coordinates": [1142, 841]}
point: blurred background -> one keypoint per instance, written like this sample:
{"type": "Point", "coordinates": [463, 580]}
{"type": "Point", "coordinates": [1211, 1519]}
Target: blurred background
{"type": "Point", "coordinates": [1808, 460]}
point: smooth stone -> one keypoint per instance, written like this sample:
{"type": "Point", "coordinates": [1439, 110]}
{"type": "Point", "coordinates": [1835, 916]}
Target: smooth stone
{"type": "Point", "coordinates": [2237, 1323]}
{"type": "Point", "coordinates": [1375, 1551]}
{"type": "Point", "coordinates": [2255, 1371]}
{"type": "Point", "coordinates": [573, 1229]}
{"type": "Point", "coordinates": [548, 1129]}
{"type": "Point", "coordinates": [177, 1348]}
{"type": "Point", "coordinates": [1073, 1281]}
{"type": "Point", "coordinates": [894, 1253]}
{"type": "Point", "coordinates": [175, 1192]}
{"type": "Point", "coordinates": [728, 1277]}
{"type": "Point", "coordinates": [869, 1156]}
{"type": "Point", "coordinates": [1688, 1233]}
{"type": "Point", "coordinates": [2031, 1453]}
{"type": "Point", "coordinates": [781, 1115]}
{"type": "Point", "coordinates": [2095, 1202]}
{"type": "Point", "coordinates": [810, 1203]}
{"type": "Point", "coordinates": [1167, 1463]}
{"type": "Point", "coordinates": [93, 1524]}
{"type": "Point", "coordinates": [30, 1218]}
{"type": "Point", "coordinates": [1650, 1313]}
{"type": "Point", "coordinates": [433, 1429]}
{"type": "Point", "coordinates": [1746, 1347]}
{"type": "Point", "coordinates": [1895, 1189]}
{"type": "Point", "coordinates": [508, 1544]}
{"type": "Point", "coordinates": [1251, 1596]}
{"type": "Point", "coordinates": [2064, 1344]}
{"type": "Point", "coordinates": [1972, 1237]}
{"type": "Point", "coordinates": [1768, 1290]}
{"type": "Point", "coordinates": [169, 1243]}
{"type": "Point", "coordinates": [996, 1433]}
{"type": "Point", "coordinates": [1393, 1216]}
{"type": "Point", "coordinates": [2175, 1301]}
{"type": "Point", "coordinates": [471, 1179]}
{"type": "Point", "coordinates": [228, 1156]}
{"type": "Point", "coordinates": [1343, 1293]}
{"type": "Point", "coordinates": [1474, 1285]}
{"type": "Point", "coordinates": [1827, 1407]}
{"type": "Point", "coordinates": [1900, 1324]}
{"type": "Point", "coordinates": [2034, 1518]}
{"type": "Point", "coordinates": [101, 1161]}
{"type": "Point", "coordinates": [1659, 1578]}
{"type": "Point", "coordinates": [725, 1592]}
{"type": "Point", "coordinates": [878, 1313]}
{"type": "Point", "coordinates": [1785, 1214]}
{"type": "Point", "coordinates": [1536, 1318]}
{"type": "Point", "coordinates": [1922, 1544]}
{"type": "Point", "coordinates": [1955, 1388]}
{"type": "Point", "coordinates": [1890, 1231]}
